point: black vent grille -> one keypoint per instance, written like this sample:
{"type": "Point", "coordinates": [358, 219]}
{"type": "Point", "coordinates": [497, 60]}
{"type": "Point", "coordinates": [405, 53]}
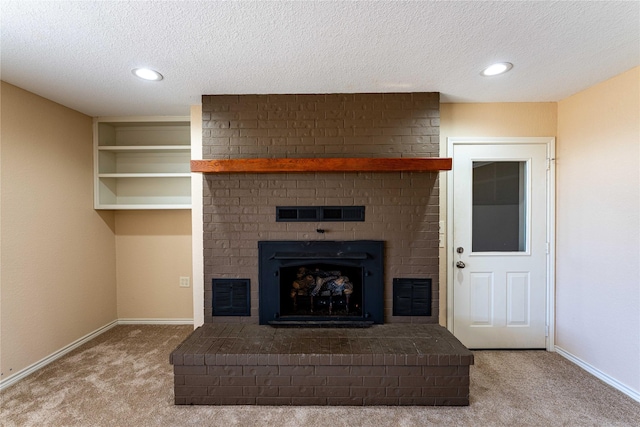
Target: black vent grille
{"type": "Point", "coordinates": [231, 297]}
{"type": "Point", "coordinates": [319, 213]}
{"type": "Point", "coordinates": [411, 297]}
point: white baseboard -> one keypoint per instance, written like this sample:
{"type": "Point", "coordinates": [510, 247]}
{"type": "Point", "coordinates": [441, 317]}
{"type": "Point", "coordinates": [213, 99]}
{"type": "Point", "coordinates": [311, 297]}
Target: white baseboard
{"type": "Point", "coordinates": [635, 395]}
{"type": "Point", "coordinates": [77, 343]}
{"type": "Point", "coordinates": [144, 321]}
{"type": "Point", "coordinates": [54, 356]}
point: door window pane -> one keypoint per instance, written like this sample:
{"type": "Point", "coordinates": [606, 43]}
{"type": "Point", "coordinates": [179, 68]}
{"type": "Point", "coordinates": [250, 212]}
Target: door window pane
{"type": "Point", "coordinates": [498, 214]}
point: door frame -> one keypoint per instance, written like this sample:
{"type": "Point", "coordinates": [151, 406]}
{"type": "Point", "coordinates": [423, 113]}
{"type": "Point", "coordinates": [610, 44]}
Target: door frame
{"type": "Point", "coordinates": [550, 143]}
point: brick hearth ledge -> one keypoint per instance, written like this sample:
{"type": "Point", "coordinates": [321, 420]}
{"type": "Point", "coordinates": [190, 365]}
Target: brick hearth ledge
{"type": "Point", "coordinates": [391, 364]}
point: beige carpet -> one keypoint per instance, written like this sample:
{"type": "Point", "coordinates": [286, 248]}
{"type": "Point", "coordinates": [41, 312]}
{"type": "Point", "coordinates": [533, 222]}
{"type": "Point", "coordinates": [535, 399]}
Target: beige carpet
{"type": "Point", "coordinates": [123, 378]}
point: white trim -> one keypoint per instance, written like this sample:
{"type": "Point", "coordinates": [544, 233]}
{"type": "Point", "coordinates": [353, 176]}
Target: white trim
{"type": "Point", "coordinates": [197, 225]}
{"type": "Point", "coordinates": [145, 321]}
{"type": "Point", "coordinates": [54, 356]}
{"type": "Point", "coordinates": [551, 221]}
{"type": "Point", "coordinates": [143, 119]}
{"type": "Point", "coordinates": [635, 395]}
{"type": "Point", "coordinates": [551, 245]}
{"type": "Point", "coordinates": [498, 140]}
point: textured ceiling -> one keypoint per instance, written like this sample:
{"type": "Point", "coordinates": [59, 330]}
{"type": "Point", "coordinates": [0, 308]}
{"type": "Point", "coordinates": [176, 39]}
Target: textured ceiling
{"type": "Point", "coordinates": [80, 53]}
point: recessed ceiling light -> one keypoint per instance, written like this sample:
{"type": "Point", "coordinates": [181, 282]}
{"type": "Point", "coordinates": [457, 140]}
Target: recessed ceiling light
{"type": "Point", "coordinates": [495, 69]}
{"type": "Point", "coordinates": [147, 74]}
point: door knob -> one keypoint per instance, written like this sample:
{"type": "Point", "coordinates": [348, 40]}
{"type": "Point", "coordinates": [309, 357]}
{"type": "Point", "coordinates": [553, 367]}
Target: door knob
{"type": "Point", "coordinates": [460, 264]}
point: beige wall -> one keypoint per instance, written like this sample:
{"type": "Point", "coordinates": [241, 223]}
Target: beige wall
{"type": "Point", "coordinates": [488, 120]}
{"type": "Point", "coordinates": [153, 250]}
{"type": "Point", "coordinates": [58, 253]}
{"type": "Point", "coordinates": [498, 119]}
{"type": "Point", "coordinates": [67, 269]}
{"type": "Point", "coordinates": [598, 227]}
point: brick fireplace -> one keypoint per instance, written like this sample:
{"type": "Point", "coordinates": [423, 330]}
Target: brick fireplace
{"type": "Point", "coordinates": [321, 248]}
{"type": "Point", "coordinates": [401, 208]}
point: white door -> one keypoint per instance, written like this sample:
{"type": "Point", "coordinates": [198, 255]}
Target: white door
{"type": "Point", "coordinates": [499, 242]}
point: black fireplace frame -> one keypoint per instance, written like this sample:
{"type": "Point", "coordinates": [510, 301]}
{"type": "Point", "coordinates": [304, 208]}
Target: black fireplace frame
{"type": "Point", "coordinates": [277, 254]}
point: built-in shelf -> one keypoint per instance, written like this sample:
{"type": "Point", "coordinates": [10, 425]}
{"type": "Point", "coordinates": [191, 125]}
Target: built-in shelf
{"type": "Point", "coordinates": [142, 163]}
{"type": "Point", "coordinates": [423, 164]}
{"type": "Point", "coordinates": [146, 149]}
{"type": "Point", "coordinates": [144, 175]}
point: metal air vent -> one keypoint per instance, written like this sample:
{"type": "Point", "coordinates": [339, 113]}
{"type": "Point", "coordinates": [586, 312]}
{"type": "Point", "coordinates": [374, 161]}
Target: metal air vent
{"type": "Point", "coordinates": [319, 213]}
{"type": "Point", "coordinates": [411, 297]}
{"type": "Point", "coordinates": [231, 297]}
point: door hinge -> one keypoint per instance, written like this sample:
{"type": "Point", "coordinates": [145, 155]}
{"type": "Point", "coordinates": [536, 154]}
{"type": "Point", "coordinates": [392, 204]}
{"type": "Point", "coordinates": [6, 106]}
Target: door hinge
{"type": "Point", "coordinates": [548, 164]}
{"type": "Point", "coordinates": [546, 330]}
{"type": "Point", "coordinates": [547, 247]}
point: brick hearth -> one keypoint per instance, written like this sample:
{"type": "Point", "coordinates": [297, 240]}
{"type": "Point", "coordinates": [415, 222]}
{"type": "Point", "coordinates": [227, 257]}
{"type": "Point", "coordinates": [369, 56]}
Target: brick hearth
{"type": "Point", "coordinates": [232, 364]}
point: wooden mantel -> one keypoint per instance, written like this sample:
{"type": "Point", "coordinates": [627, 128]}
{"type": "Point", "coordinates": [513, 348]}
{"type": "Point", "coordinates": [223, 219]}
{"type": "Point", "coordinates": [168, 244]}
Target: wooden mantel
{"type": "Point", "coordinates": [354, 164]}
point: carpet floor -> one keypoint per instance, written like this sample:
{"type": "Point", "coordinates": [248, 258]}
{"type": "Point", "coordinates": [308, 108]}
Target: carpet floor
{"type": "Point", "coordinates": [123, 378]}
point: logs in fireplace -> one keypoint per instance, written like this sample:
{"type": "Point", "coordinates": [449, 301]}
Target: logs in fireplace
{"type": "Point", "coordinates": [315, 284]}
{"type": "Point", "coordinates": [321, 283]}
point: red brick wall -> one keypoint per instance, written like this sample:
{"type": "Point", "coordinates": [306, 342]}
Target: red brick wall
{"type": "Point", "coordinates": [401, 208]}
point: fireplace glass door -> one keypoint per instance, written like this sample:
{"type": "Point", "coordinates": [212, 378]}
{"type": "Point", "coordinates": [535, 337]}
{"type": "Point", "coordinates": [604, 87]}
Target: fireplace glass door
{"type": "Point", "coordinates": [321, 282]}
{"type": "Point", "coordinates": [322, 290]}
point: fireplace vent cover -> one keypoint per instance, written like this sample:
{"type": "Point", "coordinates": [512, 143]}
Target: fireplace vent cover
{"type": "Point", "coordinates": [231, 297]}
{"type": "Point", "coordinates": [319, 213]}
{"type": "Point", "coordinates": [411, 297]}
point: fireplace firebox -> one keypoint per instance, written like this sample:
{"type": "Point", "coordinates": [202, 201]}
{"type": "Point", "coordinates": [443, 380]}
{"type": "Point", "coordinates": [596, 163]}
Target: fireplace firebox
{"type": "Point", "coordinates": [321, 283]}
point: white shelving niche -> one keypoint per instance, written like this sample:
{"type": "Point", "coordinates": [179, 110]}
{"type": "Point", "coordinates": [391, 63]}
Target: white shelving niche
{"type": "Point", "coordinates": [142, 162]}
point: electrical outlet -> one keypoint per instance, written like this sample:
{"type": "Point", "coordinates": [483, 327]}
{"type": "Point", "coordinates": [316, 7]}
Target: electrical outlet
{"type": "Point", "coordinates": [184, 282]}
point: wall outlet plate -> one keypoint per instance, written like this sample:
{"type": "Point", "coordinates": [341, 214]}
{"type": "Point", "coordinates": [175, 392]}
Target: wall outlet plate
{"type": "Point", "coordinates": [185, 282]}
